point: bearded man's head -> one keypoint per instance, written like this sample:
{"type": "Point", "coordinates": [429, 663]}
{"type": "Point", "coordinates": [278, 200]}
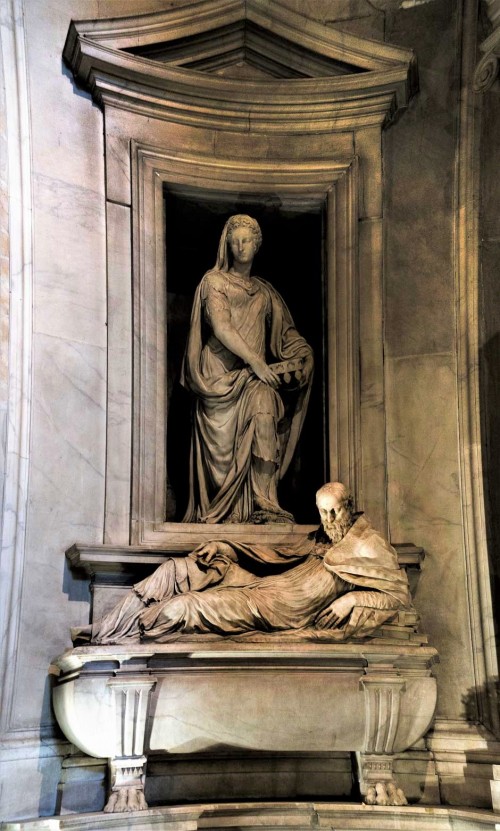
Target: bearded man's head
{"type": "Point", "coordinates": [336, 509]}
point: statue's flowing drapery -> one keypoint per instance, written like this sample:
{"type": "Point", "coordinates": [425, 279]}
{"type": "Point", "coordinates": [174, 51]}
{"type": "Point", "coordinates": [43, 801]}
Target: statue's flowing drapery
{"type": "Point", "coordinates": [227, 438]}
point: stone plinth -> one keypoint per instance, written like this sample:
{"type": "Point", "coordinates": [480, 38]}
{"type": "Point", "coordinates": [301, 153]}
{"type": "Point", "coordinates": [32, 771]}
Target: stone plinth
{"type": "Point", "coordinates": [267, 816]}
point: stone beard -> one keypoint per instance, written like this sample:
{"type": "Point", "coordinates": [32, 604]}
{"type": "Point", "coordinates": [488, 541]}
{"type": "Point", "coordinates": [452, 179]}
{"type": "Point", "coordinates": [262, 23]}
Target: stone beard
{"type": "Point", "coordinates": [337, 529]}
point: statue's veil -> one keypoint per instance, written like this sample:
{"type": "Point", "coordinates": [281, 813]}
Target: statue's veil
{"type": "Point", "coordinates": [236, 221]}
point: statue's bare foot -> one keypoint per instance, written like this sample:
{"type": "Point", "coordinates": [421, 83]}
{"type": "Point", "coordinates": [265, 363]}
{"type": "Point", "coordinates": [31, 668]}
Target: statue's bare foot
{"type": "Point", "coordinates": [265, 517]}
{"type": "Point", "coordinates": [125, 800]}
{"type": "Point", "coordinates": [385, 793]}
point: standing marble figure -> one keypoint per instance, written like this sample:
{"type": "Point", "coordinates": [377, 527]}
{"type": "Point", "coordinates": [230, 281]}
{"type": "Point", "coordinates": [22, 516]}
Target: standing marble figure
{"type": "Point", "coordinates": [242, 443]}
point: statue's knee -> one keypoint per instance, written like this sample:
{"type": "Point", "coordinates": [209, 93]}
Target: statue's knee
{"type": "Point", "coordinates": [173, 611]}
{"type": "Point", "coordinates": [265, 427]}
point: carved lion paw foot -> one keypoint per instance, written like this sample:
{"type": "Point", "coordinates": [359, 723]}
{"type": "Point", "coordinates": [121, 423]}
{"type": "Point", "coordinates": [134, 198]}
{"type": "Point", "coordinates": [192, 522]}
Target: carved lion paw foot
{"type": "Point", "coordinates": [385, 793]}
{"type": "Point", "coordinates": [125, 800]}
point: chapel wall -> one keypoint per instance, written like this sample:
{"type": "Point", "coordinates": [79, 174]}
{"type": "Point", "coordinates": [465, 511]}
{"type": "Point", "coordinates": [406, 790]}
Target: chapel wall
{"type": "Point", "coordinates": [422, 441]}
{"type": "Point", "coordinates": [67, 404]}
{"type": "Point", "coordinates": [420, 346]}
{"type": "Point", "coordinates": [69, 359]}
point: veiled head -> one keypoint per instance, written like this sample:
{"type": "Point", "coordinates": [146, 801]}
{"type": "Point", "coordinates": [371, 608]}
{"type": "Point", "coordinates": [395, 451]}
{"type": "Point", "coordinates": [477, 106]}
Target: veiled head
{"type": "Point", "coordinates": [235, 222]}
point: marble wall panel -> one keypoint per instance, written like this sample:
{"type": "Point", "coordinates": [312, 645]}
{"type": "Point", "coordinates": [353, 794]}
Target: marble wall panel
{"type": "Point", "coordinates": [66, 477]}
{"type": "Point", "coordinates": [66, 503]}
{"type": "Point", "coordinates": [489, 375]}
{"type": "Point", "coordinates": [489, 303]}
{"type": "Point", "coordinates": [67, 128]}
{"type": "Point", "coordinates": [419, 159]}
{"type": "Point", "coordinates": [424, 509]}
{"type": "Point", "coordinates": [70, 261]}
{"type": "Point", "coordinates": [32, 785]}
{"type": "Point", "coordinates": [119, 415]}
{"type": "Point", "coordinates": [4, 276]}
{"type": "Point", "coordinates": [358, 17]}
{"type": "Point", "coordinates": [372, 415]}
{"type": "Point", "coordinates": [67, 145]}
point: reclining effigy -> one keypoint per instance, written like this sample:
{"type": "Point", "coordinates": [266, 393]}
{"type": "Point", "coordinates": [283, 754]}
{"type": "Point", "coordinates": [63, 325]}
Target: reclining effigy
{"type": "Point", "coordinates": [319, 654]}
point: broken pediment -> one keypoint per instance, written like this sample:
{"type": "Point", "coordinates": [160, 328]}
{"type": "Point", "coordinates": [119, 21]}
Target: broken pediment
{"type": "Point", "coordinates": [226, 59]}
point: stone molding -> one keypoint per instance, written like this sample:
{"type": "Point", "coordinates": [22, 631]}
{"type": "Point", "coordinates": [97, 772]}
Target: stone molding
{"type": "Point", "coordinates": [335, 182]}
{"type": "Point", "coordinates": [114, 559]}
{"type": "Point", "coordinates": [486, 71]}
{"type": "Point", "coordinates": [484, 654]}
{"type": "Point", "coordinates": [268, 816]}
{"type": "Point", "coordinates": [383, 80]}
{"type": "Point", "coordinates": [465, 755]}
{"type": "Point", "coordinates": [20, 277]}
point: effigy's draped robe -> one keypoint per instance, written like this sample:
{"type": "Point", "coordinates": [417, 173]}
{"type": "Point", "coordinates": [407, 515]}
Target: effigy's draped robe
{"type": "Point", "coordinates": [225, 441]}
{"type": "Point", "coordinates": [197, 594]}
{"type": "Point", "coordinates": [362, 562]}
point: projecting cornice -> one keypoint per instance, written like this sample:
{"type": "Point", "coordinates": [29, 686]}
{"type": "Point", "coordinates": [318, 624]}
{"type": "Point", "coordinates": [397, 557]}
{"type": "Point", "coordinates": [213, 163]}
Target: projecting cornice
{"type": "Point", "coordinates": [236, 63]}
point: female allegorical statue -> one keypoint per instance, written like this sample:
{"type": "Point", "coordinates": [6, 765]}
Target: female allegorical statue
{"type": "Point", "coordinates": [242, 443]}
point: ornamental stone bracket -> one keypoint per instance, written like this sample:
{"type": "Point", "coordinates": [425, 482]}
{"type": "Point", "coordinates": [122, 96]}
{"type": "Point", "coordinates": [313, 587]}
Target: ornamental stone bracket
{"type": "Point", "coordinates": [487, 69]}
{"type": "Point", "coordinates": [382, 703]}
{"type": "Point", "coordinates": [127, 768]}
{"type": "Point", "coordinates": [391, 699]}
{"type": "Point", "coordinates": [382, 697]}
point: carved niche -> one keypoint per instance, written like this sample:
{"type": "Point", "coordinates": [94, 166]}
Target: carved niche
{"type": "Point", "coordinates": [210, 108]}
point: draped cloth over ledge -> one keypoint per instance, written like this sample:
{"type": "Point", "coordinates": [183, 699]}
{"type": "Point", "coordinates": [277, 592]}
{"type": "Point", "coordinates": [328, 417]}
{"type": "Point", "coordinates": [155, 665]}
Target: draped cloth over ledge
{"type": "Point", "coordinates": [225, 439]}
{"type": "Point", "coordinates": [222, 596]}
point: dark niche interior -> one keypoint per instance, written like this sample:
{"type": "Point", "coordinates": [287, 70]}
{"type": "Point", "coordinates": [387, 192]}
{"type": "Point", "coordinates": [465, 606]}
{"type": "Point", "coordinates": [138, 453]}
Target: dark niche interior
{"type": "Point", "coordinates": [292, 259]}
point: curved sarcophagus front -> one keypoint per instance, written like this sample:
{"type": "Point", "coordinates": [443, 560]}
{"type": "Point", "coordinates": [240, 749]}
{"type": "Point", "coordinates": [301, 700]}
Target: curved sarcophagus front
{"type": "Point", "coordinates": [127, 703]}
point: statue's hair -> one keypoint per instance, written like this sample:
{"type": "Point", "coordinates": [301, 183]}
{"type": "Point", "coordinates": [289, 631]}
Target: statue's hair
{"type": "Point", "coordinates": [244, 221]}
{"type": "Point", "coordinates": [234, 222]}
{"type": "Point", "coordinates": [338, 490]}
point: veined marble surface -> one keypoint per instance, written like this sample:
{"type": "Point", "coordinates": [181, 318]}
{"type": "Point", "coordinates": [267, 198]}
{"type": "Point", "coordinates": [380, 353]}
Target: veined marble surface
{"type": "Point", "coordinates": [61, 140]}
{"type": "Point", "coordinates": [267, 816]}
{"type": "Point", "coordinates": [424, 506]}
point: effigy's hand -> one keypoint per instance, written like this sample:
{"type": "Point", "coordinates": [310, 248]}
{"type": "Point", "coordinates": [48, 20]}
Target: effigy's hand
{"type": "Point", "coordinates": [264, 372]}
{"type": "Point", "coordinates": [336, 612]}
{"type": "Point", "coordinates": [208, 551]}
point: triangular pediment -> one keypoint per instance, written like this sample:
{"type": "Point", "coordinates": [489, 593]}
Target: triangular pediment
{"type": "Point", "coordinates": [231, 55]}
